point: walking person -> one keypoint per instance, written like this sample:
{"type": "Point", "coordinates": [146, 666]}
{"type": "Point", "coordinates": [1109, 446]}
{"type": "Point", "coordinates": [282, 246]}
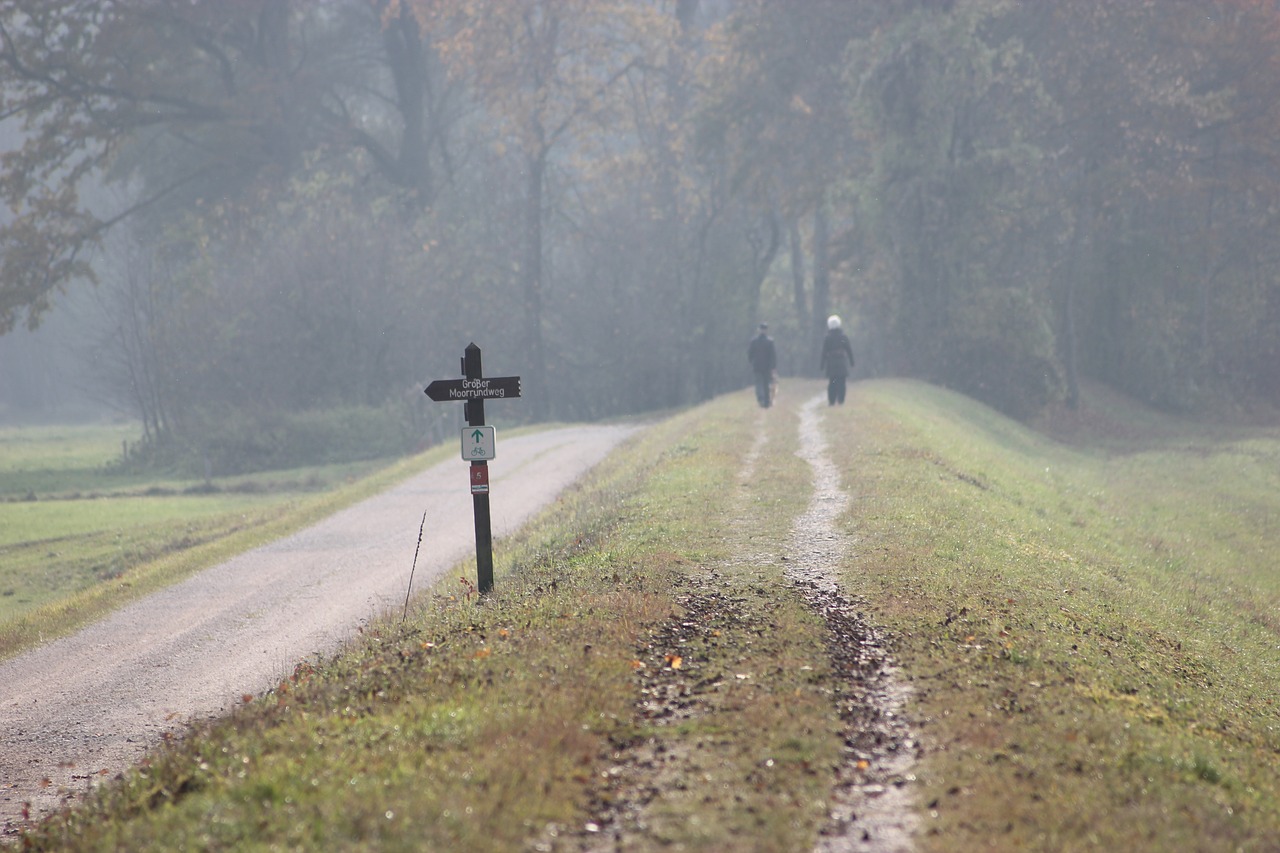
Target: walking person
{"type": "Point", "coordinates": [837, 360]}
{"type": "Point", "coordinates": [764, 363]}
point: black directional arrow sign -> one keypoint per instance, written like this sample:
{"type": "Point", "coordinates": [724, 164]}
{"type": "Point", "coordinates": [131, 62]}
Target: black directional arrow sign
{"type": "Point", "coordinates": [488, 388]}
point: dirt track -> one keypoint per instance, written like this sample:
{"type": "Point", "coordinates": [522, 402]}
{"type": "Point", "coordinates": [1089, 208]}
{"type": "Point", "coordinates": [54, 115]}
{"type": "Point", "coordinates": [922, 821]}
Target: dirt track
{"type": "Point", "coordinates": [872, 801]}
{"type": "Point", "coordinates": [87, 706]}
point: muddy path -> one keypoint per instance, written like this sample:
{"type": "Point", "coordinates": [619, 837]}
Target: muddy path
{"type": "Point", "coordinates": [872, 798]}
{"type": "Point", "coordinates": [81, 709]}
{"type": "Point", "coordinates": [872, 806]}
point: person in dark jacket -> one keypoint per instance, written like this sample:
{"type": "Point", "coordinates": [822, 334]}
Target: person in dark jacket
{"type": "Point", "coordinates": [764, 363]}
{"type": "Point", "coordinates": [837, 359]}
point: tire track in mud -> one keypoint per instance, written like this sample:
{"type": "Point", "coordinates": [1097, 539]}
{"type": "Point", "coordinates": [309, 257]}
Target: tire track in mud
{"type": "Point", "coordinates": [872, 806]}
{"type": "Point", "coordinates": [871, 796]}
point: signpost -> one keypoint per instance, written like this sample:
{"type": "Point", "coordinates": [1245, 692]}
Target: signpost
{"type": "Point", "coordinates": [479, 443]}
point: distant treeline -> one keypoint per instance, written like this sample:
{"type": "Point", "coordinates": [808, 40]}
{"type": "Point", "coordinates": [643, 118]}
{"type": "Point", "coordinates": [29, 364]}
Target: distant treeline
{"type": "Point", "coordinates": [295, 207]}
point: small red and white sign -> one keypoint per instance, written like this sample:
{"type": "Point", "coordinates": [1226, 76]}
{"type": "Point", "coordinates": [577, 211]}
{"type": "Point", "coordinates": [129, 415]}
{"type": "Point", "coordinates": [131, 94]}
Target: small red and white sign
{"type": "Point", "coordinates": [479, 478]}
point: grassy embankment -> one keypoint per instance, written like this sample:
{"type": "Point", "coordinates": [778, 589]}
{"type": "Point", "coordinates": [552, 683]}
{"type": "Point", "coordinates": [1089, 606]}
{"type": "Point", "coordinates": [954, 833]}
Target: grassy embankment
{"type": "Point", "coordinates": [1094, 637]}
{"type": "Point", "coordinates": [78, 539]}
{"type": "Point", "coordinates": [1091, 638]}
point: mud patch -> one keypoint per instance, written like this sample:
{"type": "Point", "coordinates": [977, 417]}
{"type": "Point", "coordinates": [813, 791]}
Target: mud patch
{"type": "Point", "coordinates": [674, 680]}
{"type": "Point", "coordinates": [872, 798]}
{"type": "Point", "coordinates": [871, 793]}
{"type": "Point", "coordinates": [872, 806]}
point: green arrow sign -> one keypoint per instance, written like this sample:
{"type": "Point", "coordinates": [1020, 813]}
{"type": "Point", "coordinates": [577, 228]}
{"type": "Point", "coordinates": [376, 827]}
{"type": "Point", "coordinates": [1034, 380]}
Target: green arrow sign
{"type": "Point", "coordinates": [479, 444]}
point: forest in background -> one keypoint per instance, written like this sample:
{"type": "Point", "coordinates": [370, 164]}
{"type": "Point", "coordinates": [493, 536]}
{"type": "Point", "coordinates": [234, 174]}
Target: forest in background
{"type": "Point", "coordinates": [294, 214]}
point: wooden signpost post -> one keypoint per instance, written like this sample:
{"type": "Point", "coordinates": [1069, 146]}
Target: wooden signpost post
{"type": "Point", "coordinates": [479, 444]}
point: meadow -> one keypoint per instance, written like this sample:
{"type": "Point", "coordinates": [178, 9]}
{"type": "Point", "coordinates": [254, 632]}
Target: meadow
{"type": "Point", "coordinates": [80, 534]}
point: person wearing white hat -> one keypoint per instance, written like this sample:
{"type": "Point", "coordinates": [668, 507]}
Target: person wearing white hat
{"type": "Point", "coordinates": [837, 360]}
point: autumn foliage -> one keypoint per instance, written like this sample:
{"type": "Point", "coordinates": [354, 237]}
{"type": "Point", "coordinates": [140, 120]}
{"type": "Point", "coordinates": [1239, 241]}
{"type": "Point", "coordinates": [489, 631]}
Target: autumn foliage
{"type": "Point", "coordinates": [1004, 198]}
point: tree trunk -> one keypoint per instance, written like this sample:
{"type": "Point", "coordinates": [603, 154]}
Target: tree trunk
{"type": "Point", "coordinates": [797, 273]}
{"type": "Point", "coordinates": [680, 276]}
{"type": "Point", "coordinates": [1078, 268]}
{"type": "Point", "coordinates": [535, 385]}
{"type": "Point", "coordinates": [1070, 357]}
{"type": "Point", "coordinates": [765, 243]}
{"type": "Point", "coordinates": [1209, 267]}
{"type": "Point", "coordinates": [821, 280]}
{"type": "Point", "coordinates": [283, 144]}
{"type": "Point", "coordinates": [406, 56]}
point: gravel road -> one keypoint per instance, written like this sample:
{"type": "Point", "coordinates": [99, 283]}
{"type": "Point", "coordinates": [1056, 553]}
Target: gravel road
{"type": "Point", "coordinates": [85, 707]}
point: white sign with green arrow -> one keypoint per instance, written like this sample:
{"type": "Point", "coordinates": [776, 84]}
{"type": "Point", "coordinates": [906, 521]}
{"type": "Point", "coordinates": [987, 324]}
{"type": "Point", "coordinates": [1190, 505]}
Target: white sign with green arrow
{"type": "Point", "coordinates": [479, 443]}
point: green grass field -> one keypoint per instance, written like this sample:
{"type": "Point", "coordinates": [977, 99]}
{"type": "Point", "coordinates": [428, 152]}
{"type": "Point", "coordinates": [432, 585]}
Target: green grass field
{"type": "Point", "coordinates": [79, 536]}
{"type": "Point", "coordinates": [1089, 630]}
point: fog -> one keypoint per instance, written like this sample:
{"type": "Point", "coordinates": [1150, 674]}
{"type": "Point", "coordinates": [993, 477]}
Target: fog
{"type": "Point", "coordinates": [313, 208]}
